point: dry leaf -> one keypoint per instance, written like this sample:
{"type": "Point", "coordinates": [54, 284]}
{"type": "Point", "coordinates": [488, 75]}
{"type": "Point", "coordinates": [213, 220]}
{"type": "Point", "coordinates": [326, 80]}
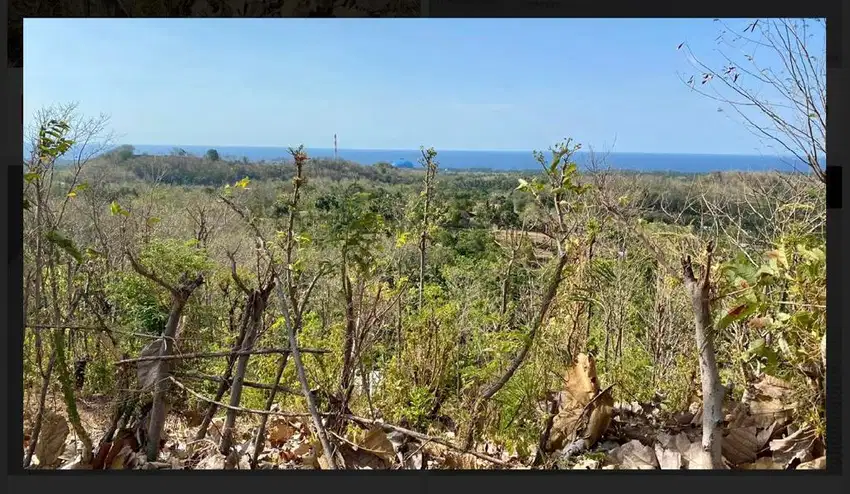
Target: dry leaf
{"type": "Point", "coordinates": [377, 443]}
{"type": "Point", "coordinates": [51, 440]}
{"type": "Point", "coordinates": [763, 463]}
{"type": "Point", "coordinates": [740, 445]}
{"type": "Point", "coordinates": [577, 417]}
{"type": "Point", "coordinates": [668, 459]}
{"type": "Point", "coordinates": [302, 449]}
{"type": "Point", "coordinates": [797, 446]}
{"type": "Point", "coordinates": [280, 431]}
{"type": "Point", "coordinates": [148, 370]}
{"type": "Point", "coordinates": [816, 464]}
{"type": "Point", "coordinates": [214, 462]}
{"type": "Point", "coordinates": [77, 464]}
{"type": "Point", "coordinates": [635, 456]}
{"type": "Point", "coordinates": [119, 461]}
{"type": "Point", "coordinates": [413, 461]}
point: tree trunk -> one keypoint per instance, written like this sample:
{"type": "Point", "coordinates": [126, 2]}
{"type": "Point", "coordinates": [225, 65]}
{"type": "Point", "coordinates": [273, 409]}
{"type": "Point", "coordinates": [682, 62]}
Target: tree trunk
{"type": "Point", "coordinates": [260, 439]}
{"type": "Point", "coordinates": [39, 416]}
{"type": "Point", "coordinates": [179, 297]}
{"type": "Point", "coordinates": [255, 306]}
{"type": "Point", "coordinates": [222, 388]}
{"type": "Point", "coordinates": [348, 365]}
{"type": "Point", "coordinates": [712, 390]}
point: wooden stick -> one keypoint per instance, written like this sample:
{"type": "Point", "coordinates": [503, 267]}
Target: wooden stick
{"type": "Point", "coordinates": [238, 409]}
{"type": "Point", "coordinates": [265, 351]}
{"type": "Point", "coordinates": [354, 418]}
{"type": "Point", "coordinates": [250, 384]}
{"type": "Point", "coordinates": [425, 437]}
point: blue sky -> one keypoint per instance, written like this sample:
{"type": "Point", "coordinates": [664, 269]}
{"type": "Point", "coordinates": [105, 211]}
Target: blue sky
{"type": "Point", "coordinates": [492, 84]}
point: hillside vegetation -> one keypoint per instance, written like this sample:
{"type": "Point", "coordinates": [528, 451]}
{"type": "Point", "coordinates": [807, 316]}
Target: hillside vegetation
{"type": "Point", "coordinates": [188, 312]}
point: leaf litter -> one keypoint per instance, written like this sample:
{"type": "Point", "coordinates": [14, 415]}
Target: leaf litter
{"type": "Point", "coordinates": [757, 435]}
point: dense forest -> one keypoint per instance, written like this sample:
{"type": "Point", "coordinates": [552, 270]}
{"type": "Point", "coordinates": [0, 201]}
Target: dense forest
{"type": "Point", "coordinates": [188, 312]}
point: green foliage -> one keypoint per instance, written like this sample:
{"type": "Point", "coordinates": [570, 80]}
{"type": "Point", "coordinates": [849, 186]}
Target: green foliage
{"type": "Point", "coordinates": [212, 155]}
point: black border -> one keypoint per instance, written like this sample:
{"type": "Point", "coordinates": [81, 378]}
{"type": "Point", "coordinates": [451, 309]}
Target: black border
{"type": "Point", "coordinates": [837, 77]}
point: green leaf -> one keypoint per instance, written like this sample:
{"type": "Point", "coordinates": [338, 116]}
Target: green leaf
{"type": "Point", "coordinates": [31, 176]}
{"type": "Point", "coordinates": [736, 313]}
{"type": "Point", "coordinates": [152, 221]}
{"type": "Point", "coordinates": [115, 209]}
{"type": "Point", "coordinates": [64, 243]}
{"type": "Point", "coordinates": [756, 346]}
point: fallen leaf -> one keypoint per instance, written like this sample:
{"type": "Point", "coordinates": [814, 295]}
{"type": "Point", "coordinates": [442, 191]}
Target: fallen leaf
{"type": "Point", "coordinates": [816, 464]}
{"type": "Point", "coordinates": [763, 463]}
{"type": "Point", "coordinates": [119, 461]}
{"type": "Point", "coordinates": [740, 445]}
{"type": "Point", "coordinates": [77, 464]}
{"type": "Point", "coordinates": [51, 440]}
{"type": "Point", "coordinates": [280, 431]}
{"type": "Point", "coordinates": [377, 443]}
{"type": "Point", "coordinates": [413, 461]}
{"type": "Point", "coordinates": [213, 462]}
{"type": "Point", "coordinates": [795, 447]}
{"type": "Point", "coordinates": [634, 455]}
{"type": "Point", "coordinates": [668, 459]}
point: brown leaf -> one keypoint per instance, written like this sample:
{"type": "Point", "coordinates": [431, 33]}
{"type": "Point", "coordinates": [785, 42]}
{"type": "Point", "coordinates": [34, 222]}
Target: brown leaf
{"type": "Point", "coordinates": [668, 459]}
{"type": "Point", "coordinates": [413, 461]}
{"type": "Point", "coordinates": [795, 447]}
{"type": "Point", "coordinates": [214, 462]}
{"type": "Point", "coordinates": [577, 416]}
{"type": "Point", "coordinates": [51, 440]}
{"type": "Point", "coordinates": [763, 463]}
{"type": "Point", "coordinates": [816, 464]}
{"type": "Point", "coordinates": [279, 432]}
{"type": "Point", "coordinates": [740, 445]}
{"type": "Point", "coordinates": [302, 449]}
{"type": "Point", "coordinates": [634, 455]}
{"type": "Point", "coordinates": [119, 461]}
{"type": "Point", "coordinates": [766, 435]}
{"type": "Point", "coordinates": [377, 443]}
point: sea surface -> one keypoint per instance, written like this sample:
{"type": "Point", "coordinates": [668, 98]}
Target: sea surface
{"type": "Point", "coordinates": [505, 160]}
{"type": "Point", "coordinates": [508, 160]}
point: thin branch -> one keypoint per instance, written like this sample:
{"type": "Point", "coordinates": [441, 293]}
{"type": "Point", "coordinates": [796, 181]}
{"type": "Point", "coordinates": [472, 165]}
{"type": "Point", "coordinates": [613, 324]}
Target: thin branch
{"type": "Point", "coordinates": [265, 351]}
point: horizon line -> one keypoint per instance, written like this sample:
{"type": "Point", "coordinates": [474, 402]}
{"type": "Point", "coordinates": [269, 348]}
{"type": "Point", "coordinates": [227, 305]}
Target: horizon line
{"type": "Point", "coordinates": [283, 147]}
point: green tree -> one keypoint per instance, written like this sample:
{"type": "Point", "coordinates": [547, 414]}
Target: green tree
{"type": "Point", "coordinates": [212, 155]}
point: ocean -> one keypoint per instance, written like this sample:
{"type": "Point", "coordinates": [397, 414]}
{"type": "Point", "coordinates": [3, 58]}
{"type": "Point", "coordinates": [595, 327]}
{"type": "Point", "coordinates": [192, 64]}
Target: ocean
{"type": "Point", "coordinates": [507, 160]}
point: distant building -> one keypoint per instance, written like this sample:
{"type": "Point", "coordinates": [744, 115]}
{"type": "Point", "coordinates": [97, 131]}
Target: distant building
{"type": "Point", "coordinates": [402, 163]}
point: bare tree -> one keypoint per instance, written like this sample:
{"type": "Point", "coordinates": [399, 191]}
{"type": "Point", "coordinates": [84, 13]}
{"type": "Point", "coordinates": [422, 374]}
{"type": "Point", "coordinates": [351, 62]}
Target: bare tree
{"type": "Point", "coordinates": [772, 74]}
{"type": "Point", "coordinates": [164, 346]}
{"type": "Point", "coordinates": [59, 133]}
{"type": "Point", "coordinates": [429, 162]}
{"type": "Point", "coordinates": [712, 391]}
